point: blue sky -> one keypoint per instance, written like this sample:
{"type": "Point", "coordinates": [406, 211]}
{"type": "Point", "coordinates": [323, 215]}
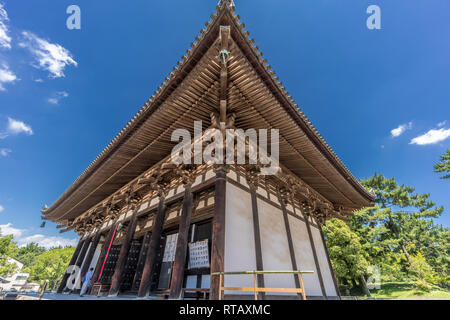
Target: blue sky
{"type": "Point", "coordinates": [64, 94]}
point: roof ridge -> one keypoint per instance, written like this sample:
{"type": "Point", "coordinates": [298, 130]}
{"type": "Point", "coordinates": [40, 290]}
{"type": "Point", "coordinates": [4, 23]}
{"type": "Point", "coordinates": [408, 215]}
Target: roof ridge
{"type": "Point", "coordinates": [222, 8]}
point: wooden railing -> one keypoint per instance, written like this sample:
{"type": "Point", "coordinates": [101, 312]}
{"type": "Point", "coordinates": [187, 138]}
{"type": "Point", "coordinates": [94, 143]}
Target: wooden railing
{"type": "Point", "coordinates": [255, 288]}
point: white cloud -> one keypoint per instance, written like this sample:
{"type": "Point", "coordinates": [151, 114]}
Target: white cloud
{"type": "Point", "coordinates": [7, 229]}
{"type": "Point", "coordinates": [40, 239]}
{"type": "Point", "coordinates": [16, 127]}
{"type": "Point", "coordinates": [6, 76]}
{"type": "Point", "coordinates": [441, 124]}
{"type": "Point", "coordinates": [431, 137]}
{"type": "Point", "coordinates": [46, 242]}
{"type": "Point", "coordinates": [50, 56]}
{"type": "Point", "coordinates": [57, 97]}
{"type": "Point", "coordinates": [400, 129]}
{"type": "Point", "coordinates": [2, 208]}
{"type": "Point", "coordinates": [5, 40]}
{"type": "Point", "coordinates": [4, 152]}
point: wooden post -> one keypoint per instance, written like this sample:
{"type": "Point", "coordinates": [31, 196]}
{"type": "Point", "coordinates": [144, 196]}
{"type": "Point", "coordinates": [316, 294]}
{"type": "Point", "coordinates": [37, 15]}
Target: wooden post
{"type": "Point", "coordinates": [102, 256]}
{"type": "Point", "coordinates": [62, 284]}
{"type": "Point", "coordinates": [181, 250]}
{"type": "Point", "coordinates": [90, 254]}
{"type": "Point", "coordinates": [300, 277]}
{"type": "Point", "coordinates": [218, 233]}
{"type": "Point", "coordinates": [220, 286]}
{"type": "Point", "coordinates": [80, 259]}
{"type": "Point", "coordinates": [257, 235]}
{"type": "Point", "coordinates": [144, 287]}
{"type": "Point", "coordinates": [255, 286]}
{"type": "Point", "coordinates": [283, 198]}
{"type": "Point", "coordinates": [123, 255]}
{"type": "Point", "coordinates": [316, 260]}
{"type": "Point", "coordinates": [82, 253]}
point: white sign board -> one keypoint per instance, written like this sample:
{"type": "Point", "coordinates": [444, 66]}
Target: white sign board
{"type": "Point", "coordinates": [198, 255]}
{"type": "Point", "coordinates": [170, 248]}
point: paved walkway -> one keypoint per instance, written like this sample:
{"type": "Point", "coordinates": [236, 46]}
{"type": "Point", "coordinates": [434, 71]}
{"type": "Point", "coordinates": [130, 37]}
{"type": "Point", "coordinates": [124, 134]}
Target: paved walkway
{"type": "Point", "coordinates": [58, 296]}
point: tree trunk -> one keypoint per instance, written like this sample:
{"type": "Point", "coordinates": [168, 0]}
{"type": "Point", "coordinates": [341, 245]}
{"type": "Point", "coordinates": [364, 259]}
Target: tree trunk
{"type": "Point", "coordinates": [402, 245]}
{"type": "Point", "coordinates": [364, 286]}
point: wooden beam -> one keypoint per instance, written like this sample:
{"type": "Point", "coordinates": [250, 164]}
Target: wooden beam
{"type": "Point", "coordinates": [123, 255]}
{"type": "Point", "coordinates": [218, 233]}
{"type": "Point", "coordinates": [224, 38]}
{"type": "Point", "coordinates": [147, 273]}
{"type": "Point", "coordinates": [182, 241]}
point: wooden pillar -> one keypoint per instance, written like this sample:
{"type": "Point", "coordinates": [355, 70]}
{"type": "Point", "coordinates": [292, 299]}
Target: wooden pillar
{"type": "Point", "coordinates": [102, 256]}
{"type": "Point", "coordinates": [283, 196]}
{"type": "Point", "coordinates": [144, 287]}
{"type": "Point", "coordinates": [63, 282]}
{"type": "Point", "coordinates": [181, 250]}
{"type": "Point", "coordinates": [80, 258]}
{"type": "Point", "coordinates": [252, 181]}
{"type": "Point", "coordinates": [316, 260]}
{"type": "Point", "coordinates": [90, 254]}
{"type": "Point", "coordinates": [141, 260]}
{"type": "Point", "coordinates": [123, 255]}
{"type": "Point", "coordinates": [82, 252]}
{"type": "Point", "coordinates": [218, 233]}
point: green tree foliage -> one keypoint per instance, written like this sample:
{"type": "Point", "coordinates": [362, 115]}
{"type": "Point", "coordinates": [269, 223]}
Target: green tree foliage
{"type": "Point", "coordinates": [422, 271]}
{"type": "Point", "coordinates": [40, 263]}
{"type": "Point", "coordinates": [50, 265]}
{"type": "Point", "coordinates": [399, 236]}
{"type": "Point", "coordinates": [8, 249]}
{"type": "Point", "coordinates": [28, 254]}
{"type": "Point", "coordinates": [444, 165]}
{"type": "Point", "coordinates": [346, 253]}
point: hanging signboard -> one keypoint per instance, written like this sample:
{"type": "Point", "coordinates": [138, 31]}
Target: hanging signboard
{"type": "Point", "coordinates": [170, 248]}
{"type": "Point", "coordinates": [198, 255]}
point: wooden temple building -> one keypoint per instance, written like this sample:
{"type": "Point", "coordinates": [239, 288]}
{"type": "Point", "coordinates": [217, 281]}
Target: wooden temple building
{"type": "Point", "coordinates": [150, 227]}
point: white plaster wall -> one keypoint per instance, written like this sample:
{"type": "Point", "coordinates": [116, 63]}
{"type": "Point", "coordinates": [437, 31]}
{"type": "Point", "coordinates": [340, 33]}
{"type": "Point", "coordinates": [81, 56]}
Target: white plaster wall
{"type": "Point", "coordinates": [304, 256]}
{"type": "Point", "coordinates": [239, 238]}
{"type": "Point", "coordinates": [274, 247]}
{"type": "Point", "coordinates": [323, 262]}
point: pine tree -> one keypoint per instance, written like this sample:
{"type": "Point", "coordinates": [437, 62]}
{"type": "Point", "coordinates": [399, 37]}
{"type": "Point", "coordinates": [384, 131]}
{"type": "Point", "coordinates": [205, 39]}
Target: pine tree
{"type": "Point", "coordinates": [444, 165]}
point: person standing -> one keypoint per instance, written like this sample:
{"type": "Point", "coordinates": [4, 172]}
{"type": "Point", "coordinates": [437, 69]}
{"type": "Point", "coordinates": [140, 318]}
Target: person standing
{"type": "Point", "coordinates": [86, 281]}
